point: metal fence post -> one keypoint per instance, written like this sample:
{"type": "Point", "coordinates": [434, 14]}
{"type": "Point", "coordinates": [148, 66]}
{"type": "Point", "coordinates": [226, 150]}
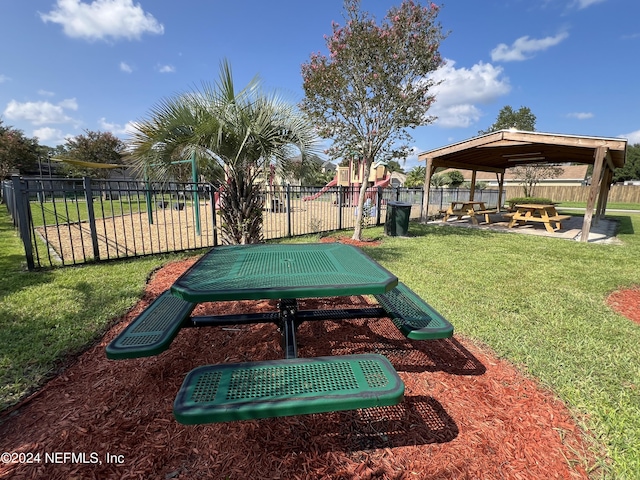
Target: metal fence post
{"type": "Point", "coordinates": [22, 208]}
{"type": "Point", "coordinates": [339, 207]}
{"type": "Point", "coordinates": [288, 201]}
{"type": "Point", "coordinates": [378, 205]}
{"type": "Point", "coordinates": [88, 195]}
{"type": "Point", "coordinates": [214, 221]}
{"type": "Point", "coordinates": [9, 198]}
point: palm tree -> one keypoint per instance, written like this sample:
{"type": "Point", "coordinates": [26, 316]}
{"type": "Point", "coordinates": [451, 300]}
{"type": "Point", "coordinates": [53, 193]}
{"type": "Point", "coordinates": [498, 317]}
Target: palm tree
{"type": "Point", "coordinates": [245, 132]}
{"type": "Point", "coordinates": [415, 177]}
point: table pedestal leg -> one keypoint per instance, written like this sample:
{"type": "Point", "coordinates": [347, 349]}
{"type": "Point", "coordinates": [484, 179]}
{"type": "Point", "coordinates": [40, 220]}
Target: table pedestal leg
{"type": "Point", "coordinates": [288, 325]}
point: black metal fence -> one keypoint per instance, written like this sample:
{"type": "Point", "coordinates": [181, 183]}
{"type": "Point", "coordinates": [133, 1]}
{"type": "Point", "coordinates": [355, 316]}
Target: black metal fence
{"type": "Point", "coordinates": [73, 221]}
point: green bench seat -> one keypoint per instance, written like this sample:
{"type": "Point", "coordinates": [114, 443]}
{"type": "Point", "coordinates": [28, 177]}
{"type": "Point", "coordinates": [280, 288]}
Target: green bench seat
{"type": "Point", "coordinates": [415, 318]}
{"type": "Point", "coordinates": [153, 330]}
{"type": "Point", "coordinates": [242, 391]}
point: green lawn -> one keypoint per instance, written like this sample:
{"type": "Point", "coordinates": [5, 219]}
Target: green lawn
{"type": "Point", "coordinates": [610, 205]}
{"type": "Point", "coordinates": [69, 210]}
{"type": "Point", "coordinates": [537, 301]}
{"type": "Point", "coordinates": [540, 302]}
{"type": "Point", "coordinates": [48, 315]}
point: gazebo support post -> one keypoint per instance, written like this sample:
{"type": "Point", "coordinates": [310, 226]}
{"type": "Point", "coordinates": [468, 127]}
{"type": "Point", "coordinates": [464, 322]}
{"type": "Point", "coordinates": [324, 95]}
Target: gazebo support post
{"type": "Point", "coordinates": [604, 192]}
{"type": "Point", "coordinates": [472, 188]}
{"type": "Point", "coordinates": [427, 186]}
{"type": "Point", "coordinates": [500, 189]}
{"type": "Point", "coordinates": [596, 182]}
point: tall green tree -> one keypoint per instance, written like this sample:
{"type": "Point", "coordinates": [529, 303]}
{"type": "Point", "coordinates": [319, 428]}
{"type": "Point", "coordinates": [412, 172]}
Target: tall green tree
{"type": "Point", "coordinates": [394, 166]}
{"type": "Point", "coordinates": [245, 132]}
{"type": "Point", "coordinates": [529, 174]}
{"type": "Point", "coordinates": [17, 152]}
{"type": "Point", "coordinates": [374, 84]}
{"type": "Point", "coordinates": [454, 178]}
{"type": "Point", "coordinates": [84, 151]}
{"type": "Point", "coordinates": [631, 168]}
{"type": "Point", "coordinates": [522, 119]}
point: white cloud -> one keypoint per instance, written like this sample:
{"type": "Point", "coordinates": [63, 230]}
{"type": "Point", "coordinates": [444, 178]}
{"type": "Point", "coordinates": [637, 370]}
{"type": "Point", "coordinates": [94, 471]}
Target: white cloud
{"type": "Point", "coordinates": [633, 137]}
{"type": "Point", "coordinates": [69, 103]}
{"type": "Point", "coordinates": [41, 113]}
{"type": "Point", "coordinates": [125, 67]}
{"type": "Point", "coordinates": [166, 68]}
{"type": "Point", "coordinates": [587, 3]}
{"type": "Point", "coordinates": [580, 115]}
{"type": "Point", "coordinates": [116, 128]}
{"type": "Point", "coordinates": [4, 78]}
{"type": "Point", "coordinates": [45, 93]}
{"type": "Point", "coordinates": [462, 89]}
{"type": "Point", "coordinates": [102, 19]}
{"type": "Point", "coordinates": [524, 47]}
{"type": "Point", "coordinates": [48, 135]}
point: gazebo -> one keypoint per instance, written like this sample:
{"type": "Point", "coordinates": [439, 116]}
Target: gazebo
{"type": "Point", "coordinates": [497, 151]}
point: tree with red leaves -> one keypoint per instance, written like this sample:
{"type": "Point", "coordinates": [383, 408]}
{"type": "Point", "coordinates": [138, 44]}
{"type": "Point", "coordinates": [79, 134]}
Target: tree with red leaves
{"type": "Point", "coordinates": [374, 84]}
{"type": "Point", "coordinates": [17, 152]}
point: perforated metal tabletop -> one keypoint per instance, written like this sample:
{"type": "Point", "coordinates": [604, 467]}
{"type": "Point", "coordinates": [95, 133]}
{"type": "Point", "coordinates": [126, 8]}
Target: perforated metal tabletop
{"type": "Point", "coordinates": [252, 272]}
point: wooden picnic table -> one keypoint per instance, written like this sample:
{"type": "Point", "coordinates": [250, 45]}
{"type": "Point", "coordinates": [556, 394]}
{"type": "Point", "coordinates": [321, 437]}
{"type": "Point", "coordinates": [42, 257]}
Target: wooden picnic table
{"type": "Point", "coordinates": [470, 208]}
{"type": "Point", "coordinates": [291, 386]}
{"type": "Point", "coordinates": [537, 212]}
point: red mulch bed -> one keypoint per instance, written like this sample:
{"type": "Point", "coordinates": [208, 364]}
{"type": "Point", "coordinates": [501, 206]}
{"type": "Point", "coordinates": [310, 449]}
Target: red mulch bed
{"type": "Point", "coordinates": [626, 302]}
{"type": "Point", "coordinates": [466, 414]}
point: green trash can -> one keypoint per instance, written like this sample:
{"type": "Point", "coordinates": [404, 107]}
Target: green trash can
{"type": "Point", "coordinates": [397, 221]}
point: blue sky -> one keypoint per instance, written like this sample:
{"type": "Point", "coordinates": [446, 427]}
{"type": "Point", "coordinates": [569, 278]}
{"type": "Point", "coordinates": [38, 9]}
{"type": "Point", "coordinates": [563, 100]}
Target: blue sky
{"type": "Point", "coordinates": [71, 65]}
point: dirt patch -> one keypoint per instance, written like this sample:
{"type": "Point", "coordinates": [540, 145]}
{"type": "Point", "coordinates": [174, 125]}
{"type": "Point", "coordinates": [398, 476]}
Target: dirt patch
{"type": "Point", "coordinates": [129, 235]}
{"type": "Point", "coordinates": [466, 414]}
{"type": "Point", "coordinates": [626, 302]}
{"type": "Point", "coordinates": [175, 230]}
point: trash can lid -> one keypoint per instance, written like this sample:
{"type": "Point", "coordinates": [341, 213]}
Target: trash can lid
{"type": "Point", "coordinates": [398, 204]}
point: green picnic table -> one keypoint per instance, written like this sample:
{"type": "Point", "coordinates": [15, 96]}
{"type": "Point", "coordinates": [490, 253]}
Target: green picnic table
{"type": "Point", "coordinates": [289, 386]}
{"type": "Point", "coordinates": [280, 271]}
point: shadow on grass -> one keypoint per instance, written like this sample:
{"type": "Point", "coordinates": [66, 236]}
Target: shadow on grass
{"type": "Point", "coordinates": [625, 225]}
{"type": "Point", "coordinates": [15, 276]}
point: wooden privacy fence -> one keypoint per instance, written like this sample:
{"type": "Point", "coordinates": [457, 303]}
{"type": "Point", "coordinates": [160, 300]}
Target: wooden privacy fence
{"type": "Point", "coordinates": [579, 193]}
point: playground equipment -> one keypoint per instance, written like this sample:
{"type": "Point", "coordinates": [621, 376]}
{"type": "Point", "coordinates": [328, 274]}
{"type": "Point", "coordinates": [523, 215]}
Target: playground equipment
{"type": "Point", "coordinates": [273, 199]}
{"type": "Point", "coordinates": [351, 176]}
{"type": "Point", "coordinates": [194, 180]}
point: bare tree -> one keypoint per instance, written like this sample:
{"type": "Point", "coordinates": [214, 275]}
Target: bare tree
{"type": "Point", "coordinates": [531, 174]}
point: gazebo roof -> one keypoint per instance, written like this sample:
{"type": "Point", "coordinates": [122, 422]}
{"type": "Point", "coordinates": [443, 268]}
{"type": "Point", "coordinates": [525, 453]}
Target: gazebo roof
{"type": "Point", "coordinates": [499, 150]}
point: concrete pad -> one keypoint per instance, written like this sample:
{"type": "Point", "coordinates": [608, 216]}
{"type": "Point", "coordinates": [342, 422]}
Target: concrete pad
{"type": "Point", "coordinates": [604, 231]}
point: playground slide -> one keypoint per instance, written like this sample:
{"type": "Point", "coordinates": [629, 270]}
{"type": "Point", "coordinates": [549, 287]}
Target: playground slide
{"type": "Point", "coordinates": [380, 183]}
{"type": "Point", "coordinates": [332, 183]}
{"type": "Point", "coordinates": [384, 182]}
